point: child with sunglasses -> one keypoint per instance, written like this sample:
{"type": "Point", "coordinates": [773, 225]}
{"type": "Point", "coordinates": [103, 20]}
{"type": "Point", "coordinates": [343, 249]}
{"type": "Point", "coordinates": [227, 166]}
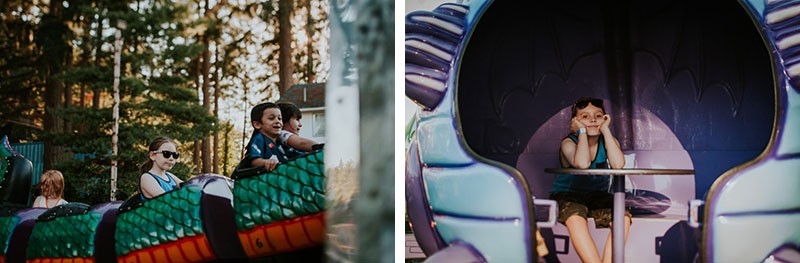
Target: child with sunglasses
{"type": "Point", "coordinates": [262, 150]}
{"type": "Point", "coordinates": [589, 145]}
{"type": "Point", "coordinates": [154, 179]}
{"type": "Point", "coordinates": [290, 135]}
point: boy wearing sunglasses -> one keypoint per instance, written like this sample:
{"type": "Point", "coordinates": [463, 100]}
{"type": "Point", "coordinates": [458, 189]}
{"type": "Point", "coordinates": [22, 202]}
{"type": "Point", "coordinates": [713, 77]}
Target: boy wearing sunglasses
{"type": "Point", "coordinates": [154, 179]}
{"type": "Point", "coordinates": [589, 145]}
{"type": "Point", "coordinates": [262, 150]}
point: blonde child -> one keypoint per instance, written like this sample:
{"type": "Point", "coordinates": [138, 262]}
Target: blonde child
{"type": "Point", "coordinates": [52, 186]}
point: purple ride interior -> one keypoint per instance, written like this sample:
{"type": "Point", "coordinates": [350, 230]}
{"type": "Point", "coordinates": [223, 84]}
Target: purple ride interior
{"type": "Point", "coordinates": [688, 85]}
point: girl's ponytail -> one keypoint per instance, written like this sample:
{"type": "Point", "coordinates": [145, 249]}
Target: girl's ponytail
{"type": "Point", "coordinates": [146, 166]}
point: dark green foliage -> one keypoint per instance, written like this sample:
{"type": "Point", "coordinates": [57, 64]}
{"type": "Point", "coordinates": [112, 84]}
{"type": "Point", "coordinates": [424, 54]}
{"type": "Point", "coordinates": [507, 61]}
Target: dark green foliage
{"type": "Point", "coordinates": [53, 36]}
{"type": "Point", "coordinates": [157, 94]}
{"type": "Point", "coordinates": [19, 78]}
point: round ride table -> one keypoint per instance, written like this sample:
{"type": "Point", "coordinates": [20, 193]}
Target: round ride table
{"type": "Point", "coordinates": [618, 187]}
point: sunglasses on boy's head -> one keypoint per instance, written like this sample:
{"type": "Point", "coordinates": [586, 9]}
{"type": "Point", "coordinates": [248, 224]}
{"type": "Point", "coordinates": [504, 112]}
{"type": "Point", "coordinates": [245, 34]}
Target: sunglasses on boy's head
{"type": "Point", "coordinates": [583, 103]}
{"type": "Point", "coordinates": [167, 154]}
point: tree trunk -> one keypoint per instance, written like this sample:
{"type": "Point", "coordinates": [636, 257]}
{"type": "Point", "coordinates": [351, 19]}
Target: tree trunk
{"type": "Point", "coordinates": [54, 88]}
{"type": "Point", "coordinates": [198, 143]}
{"type": "Point", "coordinates": [85, 57]}
{"type": "Point", "coordinates": [285, 65]}
{"type": "Point", "coordinates": [67, 105]}
{"type": "Point", "coordinates": [247, 126]}
{"type": "Point", "coordinates": [82, 102]}
{"type": "Point", "coordinates": [98, 53]}
{"type": "Point", "coordinates": [196, 156]}
{"type": "Point", "coordinates": [226, 149]}
{"type": "Point", "coordinates": [311, 75]}
{"type": "Point", "coordinates": [211, 15]}
{"type": "Point", "coordinates": [206, 155]}
{"type": "Point", "coordinates": [67, 92]}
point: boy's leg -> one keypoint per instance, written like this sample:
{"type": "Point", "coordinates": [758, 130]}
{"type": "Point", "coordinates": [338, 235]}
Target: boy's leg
{"type": "Point", "coordinates": [572, 212]}
{"type": "Point", "coordinates": [607, 255]}
{"type": "Point", "coordinates": [581, 239]}
{"type": "Point", "coordinates": [600, 208]}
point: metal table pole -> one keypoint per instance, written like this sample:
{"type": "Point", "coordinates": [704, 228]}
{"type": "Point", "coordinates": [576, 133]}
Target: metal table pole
{"type": "Point", "coordinates": [618, 219]}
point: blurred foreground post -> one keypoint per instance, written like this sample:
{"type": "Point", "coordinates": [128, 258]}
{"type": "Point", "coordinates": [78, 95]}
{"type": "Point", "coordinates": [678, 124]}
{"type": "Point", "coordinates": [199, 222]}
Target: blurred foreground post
{"type": "Point", "coordinates": [360, 119]}
{"type": "Point", "coordinates": [343, 138]}
{"type": "Point", "coordinates": [375, 62]}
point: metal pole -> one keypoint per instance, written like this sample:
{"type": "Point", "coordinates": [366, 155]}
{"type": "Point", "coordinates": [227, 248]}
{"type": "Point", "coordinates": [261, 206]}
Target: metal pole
{"type": "Point", "coordinates": [618, 218]}
{"type": "Point", "coordinates": [114, 134]}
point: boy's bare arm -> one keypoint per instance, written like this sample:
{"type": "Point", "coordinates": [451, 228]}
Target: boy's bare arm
{"type": "Point", "coordinates": [577, 155]}
{"type": "Point", "coordinates": [614, 153]}
{"type": "Point", "coordinates": [269, 164]}
{"type": "Point", "coordinates": [301, 143]}
{"type": "Point", "coordinates": [615, 157]}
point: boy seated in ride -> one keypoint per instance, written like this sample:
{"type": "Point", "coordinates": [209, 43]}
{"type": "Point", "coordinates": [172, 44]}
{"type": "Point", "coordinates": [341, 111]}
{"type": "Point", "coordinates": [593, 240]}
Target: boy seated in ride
{"type": "Point", "coordinates": [290, 138]}
{"type": "Point", "coordinates": [589, 145]}
{"type": "Point", "coordinates": [263, 149]}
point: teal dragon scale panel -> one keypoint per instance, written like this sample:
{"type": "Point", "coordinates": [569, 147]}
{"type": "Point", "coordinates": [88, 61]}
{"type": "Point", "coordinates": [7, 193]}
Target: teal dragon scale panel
{"type": "Point", "coordinates": [293, 189]}
{"type": "Point", "coordinates": [64, 237]}
{"type": "Point", "coordinates": [164, 219]}
{"type": "Point", "coordinates": [7, 224]}
{"type": "Point", "coordinates": [5, 152]}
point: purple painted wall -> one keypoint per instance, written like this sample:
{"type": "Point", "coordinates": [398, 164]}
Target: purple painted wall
{"type": "Point", "coordinates": [701, 68]}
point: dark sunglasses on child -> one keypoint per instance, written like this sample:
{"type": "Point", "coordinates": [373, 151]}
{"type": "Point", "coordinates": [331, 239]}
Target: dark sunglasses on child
{"type": "Point", "coordinates": [167, 154]}
{"type": "Point", "coordinates": [583, 103]}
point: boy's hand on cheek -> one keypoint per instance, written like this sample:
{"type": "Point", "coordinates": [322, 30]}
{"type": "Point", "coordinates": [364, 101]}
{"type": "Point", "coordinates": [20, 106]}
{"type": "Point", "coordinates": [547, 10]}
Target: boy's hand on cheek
{"type": "Point", "coordinates": [575, 125]}
{"type": "Point", "coordinates": [604, 124]}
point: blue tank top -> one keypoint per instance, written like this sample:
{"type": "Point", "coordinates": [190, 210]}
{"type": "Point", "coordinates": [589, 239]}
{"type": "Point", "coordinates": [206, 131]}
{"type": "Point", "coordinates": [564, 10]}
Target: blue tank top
{"type": "Point", "coordinates": [584, 183]}
{"type": "Point", "coordinates": [165, 185]}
